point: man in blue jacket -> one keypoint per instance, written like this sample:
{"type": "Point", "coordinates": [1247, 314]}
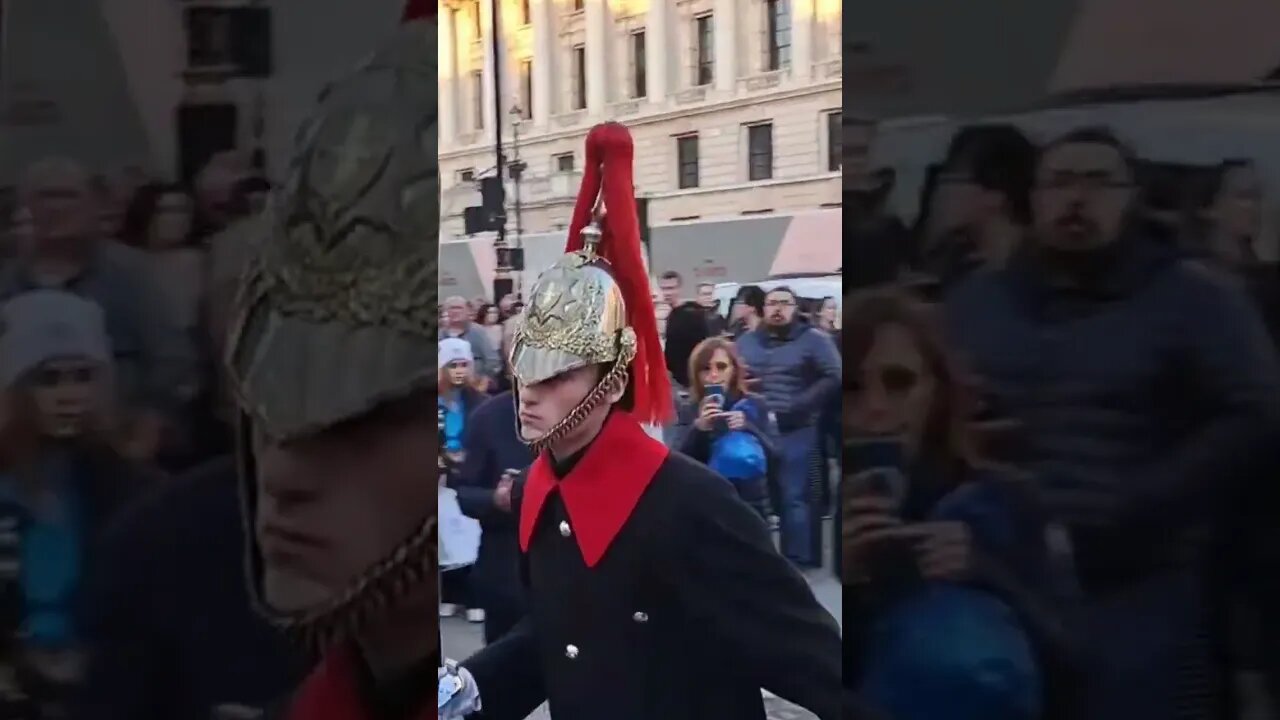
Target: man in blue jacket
{"type": "Point", "coordinates": [796, 368]}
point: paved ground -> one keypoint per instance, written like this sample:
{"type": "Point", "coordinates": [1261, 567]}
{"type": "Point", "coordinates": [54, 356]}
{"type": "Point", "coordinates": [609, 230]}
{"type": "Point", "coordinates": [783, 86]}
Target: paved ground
{"type": "Point", "coordinates": [462, 639]}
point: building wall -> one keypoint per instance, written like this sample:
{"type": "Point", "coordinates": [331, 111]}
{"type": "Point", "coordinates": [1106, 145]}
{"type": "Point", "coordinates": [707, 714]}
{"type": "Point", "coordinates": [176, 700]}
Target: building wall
{"type": "Point", "coordinates": [797, 99]}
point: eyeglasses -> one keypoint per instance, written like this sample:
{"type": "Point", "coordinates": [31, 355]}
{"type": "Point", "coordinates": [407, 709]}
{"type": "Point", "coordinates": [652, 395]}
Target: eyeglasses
{"type": "Point", "coordinates": [50, 377]}
{"type": "Point", "coordinates": [897, 380]}
{"type": "Point", "coordinates": [1090, 181]}
{"type": "Point", "coordinates": [718, 366]}
{"type": "Point", "coordinates": [780, 303]}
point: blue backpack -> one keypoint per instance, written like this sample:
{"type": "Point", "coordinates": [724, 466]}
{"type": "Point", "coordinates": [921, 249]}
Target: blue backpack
{"type": "Point", "coordinates": [738, 454]}
{"type": "Point", "coordinates": [953, 652]}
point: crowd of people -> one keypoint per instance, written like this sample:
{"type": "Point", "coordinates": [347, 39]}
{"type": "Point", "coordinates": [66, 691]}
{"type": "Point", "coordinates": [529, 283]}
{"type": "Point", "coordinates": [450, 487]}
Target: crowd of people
{"type": "Point", "coordinates": [1062, 408]}
{"type": "Point", "coordinates": [115, 293]}
{"type": "Point", "coordinates": [767, 374]}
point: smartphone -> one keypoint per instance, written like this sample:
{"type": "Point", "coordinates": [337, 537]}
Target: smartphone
{"type": "Point", "coordinates": [717, 392]}
{"type": "Point", "coordinates": [876, 465]}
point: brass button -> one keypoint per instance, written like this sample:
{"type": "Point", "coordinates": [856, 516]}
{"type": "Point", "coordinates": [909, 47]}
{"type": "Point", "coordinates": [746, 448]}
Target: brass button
{"type": "Point", "coordinates": [571, 652]}
{"type": "Point", "coordinates": [640, 617]}
{"type": "Point", "coordinates": [565, 530]}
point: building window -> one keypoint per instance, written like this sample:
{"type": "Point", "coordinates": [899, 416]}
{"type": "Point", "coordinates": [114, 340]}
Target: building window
{"type": "Point", "coordinates": [579, 77]}
{"type": "Point", "coordinates": [564, 163]}
{"type": "Point", "coordinates": [577, 5]}
{"type": "Point", "coordinates": [477, 99]}
{"type": "Point", "coordinates": [466, 176]}
{"type": "Point", "coordinates": [526, 89]}
{"type": "Point", "coordinates": [477, 20]}
{"type": "Point", "coordinates": [687, 161]}
{"type": "Point", "coordinates": [524, 12]}
{"type": "Point", "coordinates": [704, 50]}
{"type": "Point", "coordinates": [760, 152]}
{"type": "Point", "coordinates": [778, 27]}
{"type": "Point", "coordinates": [638, 79]}
{"type": "Point", "coordinates": [835, 151]}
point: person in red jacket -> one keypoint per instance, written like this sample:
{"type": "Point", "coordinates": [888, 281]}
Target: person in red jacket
{"type": "Point", "coordinates": [332, 360]}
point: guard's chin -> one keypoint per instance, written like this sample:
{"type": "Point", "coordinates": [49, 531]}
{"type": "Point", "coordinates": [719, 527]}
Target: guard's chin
{"type": "Point", "coordinates": [531, 434]}
{"type": "Point", "coordinates": [291, 594]}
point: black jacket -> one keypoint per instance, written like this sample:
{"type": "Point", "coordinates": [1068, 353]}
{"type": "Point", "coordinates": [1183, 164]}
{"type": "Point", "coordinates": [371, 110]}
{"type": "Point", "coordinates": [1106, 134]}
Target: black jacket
{"type": "Point", "coordinates": [174, 633]}
{"type": "Point", "coordinates": [690, 613]}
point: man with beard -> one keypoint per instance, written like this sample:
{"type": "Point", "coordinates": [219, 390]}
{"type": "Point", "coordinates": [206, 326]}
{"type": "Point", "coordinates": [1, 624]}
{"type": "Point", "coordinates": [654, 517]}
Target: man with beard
{"type": "Point", "coordinates": [330, 359]}
{"type": "Point", "coordinates": [654, 592]}
{"type": "Point", "coordinates": [797, 369]}
{"type": "Point", "coordinates": [1147, 391]}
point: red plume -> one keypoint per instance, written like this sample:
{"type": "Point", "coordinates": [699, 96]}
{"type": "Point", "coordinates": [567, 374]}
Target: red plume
{"type": "Point", "coordinates": [610, 154]}
{"type": "Point", "coordinates": [418, 10]}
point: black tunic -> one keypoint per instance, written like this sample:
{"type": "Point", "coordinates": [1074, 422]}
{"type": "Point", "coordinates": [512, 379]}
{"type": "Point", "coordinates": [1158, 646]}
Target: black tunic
{"type": "Point", "coordinates": [689, 614]}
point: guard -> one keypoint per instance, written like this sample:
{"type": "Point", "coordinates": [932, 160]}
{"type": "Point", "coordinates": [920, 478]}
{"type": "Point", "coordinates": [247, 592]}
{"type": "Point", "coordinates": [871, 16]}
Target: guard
{"type": "Point", "coordinates": [655, 592]}
{"type": "Point", "coordinates": [331, 357]}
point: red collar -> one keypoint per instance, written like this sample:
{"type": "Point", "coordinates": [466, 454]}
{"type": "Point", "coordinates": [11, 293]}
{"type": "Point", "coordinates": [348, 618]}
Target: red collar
{"type": "Point", "coordinates": [602, 489]}
{"type": "Point", "coordinates": [330, 692]}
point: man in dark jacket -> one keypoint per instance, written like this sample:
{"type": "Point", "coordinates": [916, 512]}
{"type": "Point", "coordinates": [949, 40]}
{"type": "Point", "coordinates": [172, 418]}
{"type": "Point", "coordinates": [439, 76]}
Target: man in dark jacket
{"type": "Point", "coordinates": [655, 593]}
{"type": "Point", "coordinates": [494, 455]}
{"type": "Point", "coordinates": [1147, 387]}
{"type": "Point", "coordinates": [797, 369]}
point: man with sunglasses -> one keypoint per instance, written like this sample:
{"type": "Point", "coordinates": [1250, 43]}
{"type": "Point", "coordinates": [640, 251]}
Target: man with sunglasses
{"type": "Point", "coordinates": [655, 593]}
{"type": "Point", "coordinates": [796, 368]}
{"type": "Point", "coordinates": [1147, 390]}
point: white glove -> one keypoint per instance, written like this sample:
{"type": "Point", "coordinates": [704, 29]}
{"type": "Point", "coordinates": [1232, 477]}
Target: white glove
{"type": "Point", "coordinates": [456, 693]}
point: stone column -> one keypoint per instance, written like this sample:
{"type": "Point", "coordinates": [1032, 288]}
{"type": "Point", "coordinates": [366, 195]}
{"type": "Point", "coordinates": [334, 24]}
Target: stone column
{"type": "Point", "coordinates": [448, 63]}
{"type": "Point", "coordinates": [726, 45]}
{"type": "Point", "coordinates": [802, 22]}
{"type": "Point", "coordinates": [657, 46]}
{"type": "Point", "coordinates": [487, 28]}
{"type": "Point", "coordinates": [543, 17]}
{"type": "Point", "coordinates": [597, 25]}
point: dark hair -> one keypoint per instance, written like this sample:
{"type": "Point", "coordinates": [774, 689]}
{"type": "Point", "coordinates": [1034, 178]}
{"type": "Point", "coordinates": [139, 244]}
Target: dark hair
{"type": "Point", "coordinates": [1218, 177]}
{"type": "Point", "coordinates": [141, 213]}
{"type": "Point", "coordinates": [752, 296]}
{"type": "Point", "coordinates": [948, 428]}
{"type": "Point", "coordinates": [998, 158]}
{"type": "Point", "coordinates": [671, 275]}
{"type": "Point", "coordinates": [484, 310]}
{"type": "Point", "coordinates": [783, 288]}
{"type": "Point", "coordinates": [1093, 135]}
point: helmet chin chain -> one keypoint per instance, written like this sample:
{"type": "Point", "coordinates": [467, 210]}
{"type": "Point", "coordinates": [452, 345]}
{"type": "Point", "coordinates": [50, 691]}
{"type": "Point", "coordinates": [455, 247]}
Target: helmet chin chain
{"type": "Point", "coordinates": [343, 617]}
{"type": "Point", "coordinates": [378, 589]}
{"type": "Point", "coordinates": [612, 382]}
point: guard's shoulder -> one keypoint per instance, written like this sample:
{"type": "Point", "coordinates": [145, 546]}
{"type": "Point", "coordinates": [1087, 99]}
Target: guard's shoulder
{"type": "Point", "coordinates": [690, 484]}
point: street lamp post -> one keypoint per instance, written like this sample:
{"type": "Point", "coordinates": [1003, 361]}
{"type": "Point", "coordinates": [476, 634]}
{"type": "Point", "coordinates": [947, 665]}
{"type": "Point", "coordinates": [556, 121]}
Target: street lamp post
{"type": "Point", "coordinates": [517, 165]}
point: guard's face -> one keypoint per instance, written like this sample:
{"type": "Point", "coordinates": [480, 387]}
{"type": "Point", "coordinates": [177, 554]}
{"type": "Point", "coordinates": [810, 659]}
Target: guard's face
{"type": "Point", "coordinates": [66, 396]}
{"type": "Point", "coordinates": [331, 506]}
{"type": "Point", "coordinates": [544, 405]}
{"type": "Point", "coordinates": [1082, 193]}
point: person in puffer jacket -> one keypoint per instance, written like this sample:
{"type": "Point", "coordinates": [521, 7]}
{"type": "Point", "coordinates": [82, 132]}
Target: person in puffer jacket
{"type": "Point", "coordinates": [795, 368]}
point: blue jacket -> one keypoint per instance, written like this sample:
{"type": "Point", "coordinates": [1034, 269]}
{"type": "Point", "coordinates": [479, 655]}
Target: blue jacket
{"type": "Point", "coordinates": [797, 373]}
{"type": "Point", "coordinates": [1143, 395]}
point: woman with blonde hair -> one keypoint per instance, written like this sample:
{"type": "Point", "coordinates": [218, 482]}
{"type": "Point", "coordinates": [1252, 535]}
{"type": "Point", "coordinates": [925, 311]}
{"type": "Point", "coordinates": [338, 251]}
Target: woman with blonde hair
{"type": "Point", "coordinates": [62, 479]}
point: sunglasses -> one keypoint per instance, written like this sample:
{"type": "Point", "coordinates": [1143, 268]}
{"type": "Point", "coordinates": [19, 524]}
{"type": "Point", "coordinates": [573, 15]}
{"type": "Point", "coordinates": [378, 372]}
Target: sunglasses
{"type": "Point", "coordinates": [896, 380]}
{"type": "Point", "coordinates": [718, 366]}
{"type": "Point", "coordinates": [50, 377]}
